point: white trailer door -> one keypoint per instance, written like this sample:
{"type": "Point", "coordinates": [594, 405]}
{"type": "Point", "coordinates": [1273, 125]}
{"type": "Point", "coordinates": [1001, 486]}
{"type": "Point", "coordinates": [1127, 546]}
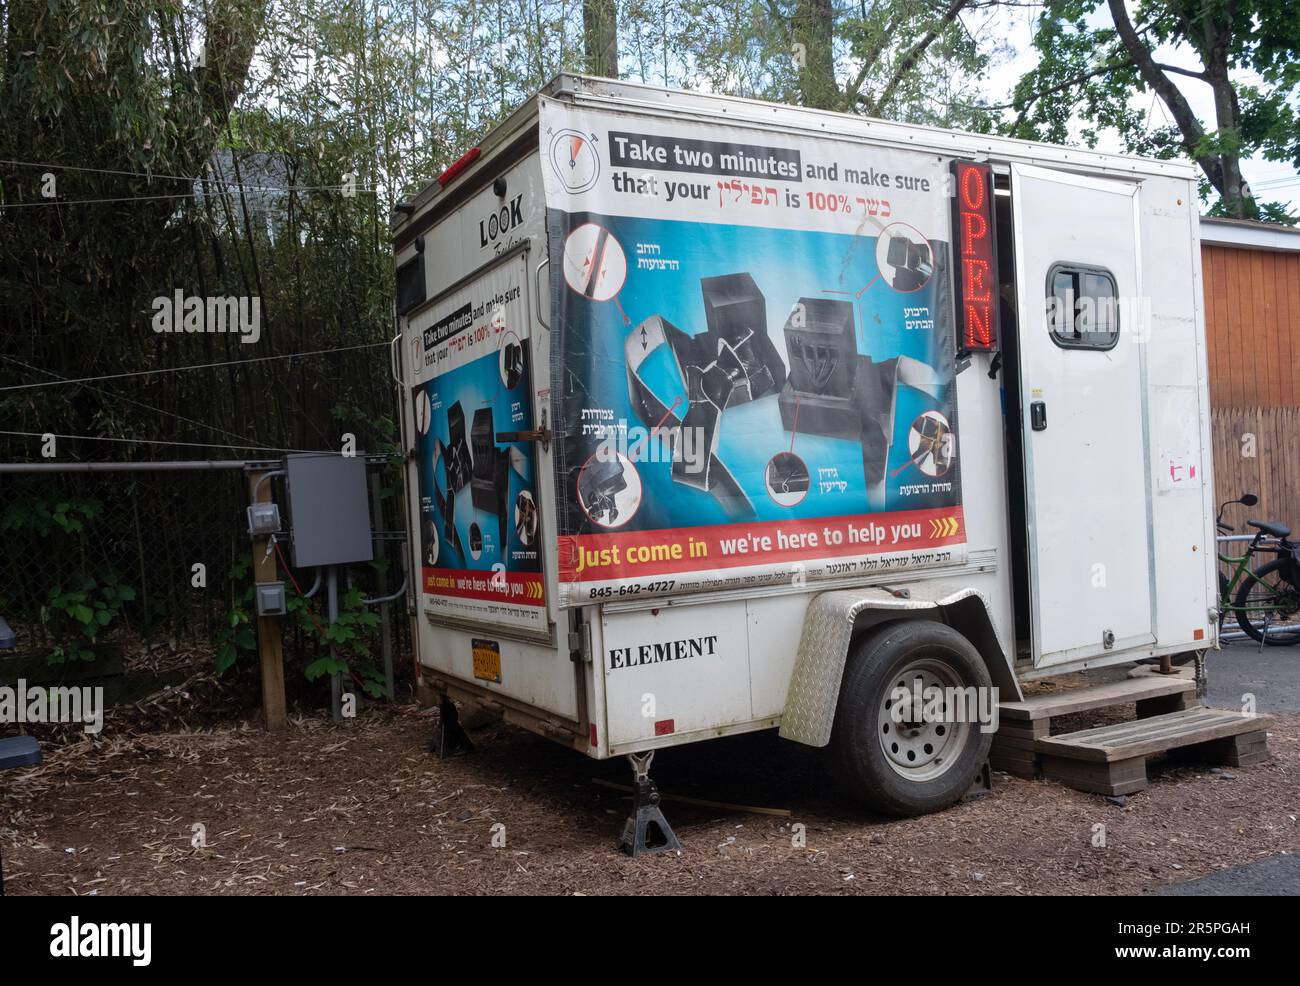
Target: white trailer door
{"type": "Point", "coordinates": [1083, 392]}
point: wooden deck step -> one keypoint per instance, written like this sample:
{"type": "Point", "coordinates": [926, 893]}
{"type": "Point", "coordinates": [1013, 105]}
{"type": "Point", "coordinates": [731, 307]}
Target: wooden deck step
{"type": "Point", "coordinates": [1158, 734]}
{"type": "Point", "coordinates": [1141, 684]}
{"type": "Point", "coordinates": [1112, 759]}
{"type": "Point", "coordinates": [1022, 724]}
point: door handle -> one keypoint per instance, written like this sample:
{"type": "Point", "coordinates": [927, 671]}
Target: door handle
{"type": "Point", "coordinates": [394, 370]}
{"type": "Point", "coordinates": [537, 290]}
{"type": "Point", "coordinates": [1038, 415]}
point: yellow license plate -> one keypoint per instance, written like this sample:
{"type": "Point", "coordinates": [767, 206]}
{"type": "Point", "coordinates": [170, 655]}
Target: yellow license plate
{"type": "Point", "coordinates": [487, 660]}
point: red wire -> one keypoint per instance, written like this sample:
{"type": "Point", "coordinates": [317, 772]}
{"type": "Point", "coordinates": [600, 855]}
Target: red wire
{"type": "Point", "coordinates": [289, 572]}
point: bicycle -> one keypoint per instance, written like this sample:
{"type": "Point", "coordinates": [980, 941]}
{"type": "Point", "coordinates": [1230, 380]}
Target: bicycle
{"type": "Point", "coordinates": [1270, 592]}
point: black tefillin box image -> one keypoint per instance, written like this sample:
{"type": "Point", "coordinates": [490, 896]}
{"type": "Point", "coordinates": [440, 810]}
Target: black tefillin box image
{"type": "Point", "coordinates": [912, 263]}
{"type": "Point", "coordinates": [490, 487]}
{"type": "Point", "coordinates": [602, 480]}
{"type": "Point", "coordinates": [834, 390]}
{"type": "Point", "coordinates": [735, 312]}
{"type": "Point", "coordinates": [822, 345]}
{"type": "Point", "coordinates": [513, 364]}
{"type": "Point", "coordinates": [457, 464]}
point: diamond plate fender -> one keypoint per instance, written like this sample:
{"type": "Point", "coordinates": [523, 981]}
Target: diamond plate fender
{"type": "Point", "coordinates": [828, 628]}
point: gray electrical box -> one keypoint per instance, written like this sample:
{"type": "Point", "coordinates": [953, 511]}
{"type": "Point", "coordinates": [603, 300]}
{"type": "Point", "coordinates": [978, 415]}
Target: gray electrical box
{"type": "Point", "coordinates": [270, 599]}
{"type": "Point", "coordinates": [329, 511]}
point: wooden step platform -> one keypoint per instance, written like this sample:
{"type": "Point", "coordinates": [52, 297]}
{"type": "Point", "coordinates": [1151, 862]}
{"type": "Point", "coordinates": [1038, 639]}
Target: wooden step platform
{"type": "Point", "coordinates": [1142, 685]}
{"type": "Point", "coordinates": [1023, 724]}
{"type": "Point", "coordinates": [1112, 759]}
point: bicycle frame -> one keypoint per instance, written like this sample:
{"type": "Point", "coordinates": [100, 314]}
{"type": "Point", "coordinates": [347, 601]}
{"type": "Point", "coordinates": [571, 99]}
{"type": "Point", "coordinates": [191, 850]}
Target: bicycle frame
{"type": "Point", "coordinates": [1241, 569]}
{"type": "Point", "coordinates": [1227, 593]}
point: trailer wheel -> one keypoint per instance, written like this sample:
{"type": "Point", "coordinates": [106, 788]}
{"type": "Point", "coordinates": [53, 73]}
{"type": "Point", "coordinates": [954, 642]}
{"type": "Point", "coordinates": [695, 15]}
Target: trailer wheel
{"type": "Point", "coordinates": [923, 763]}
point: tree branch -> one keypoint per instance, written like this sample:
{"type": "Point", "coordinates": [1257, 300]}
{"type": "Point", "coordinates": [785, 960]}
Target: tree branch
{"type": "Point", "coordinates": [1190, 73]}
{"type": "Point", "coordinates": [1028, 101]}
{"type": "Point", "coordinates": [851, 94]}
{"type": "Point", "coordinates": [1188, 125]}
{"type": "Point", "coordinates": [231, 31]}
{"type": "Point", "coordinates": [913, 56]}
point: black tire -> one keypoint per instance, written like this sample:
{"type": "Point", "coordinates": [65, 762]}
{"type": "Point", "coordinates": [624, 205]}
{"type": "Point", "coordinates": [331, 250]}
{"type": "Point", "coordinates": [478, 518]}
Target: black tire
{"type": "Point", "coordinates": [1224, 587]}
{"type": "Point", "coordinates": [865, 771]}
{"type": "Point", "coordinates": [1273, 575]}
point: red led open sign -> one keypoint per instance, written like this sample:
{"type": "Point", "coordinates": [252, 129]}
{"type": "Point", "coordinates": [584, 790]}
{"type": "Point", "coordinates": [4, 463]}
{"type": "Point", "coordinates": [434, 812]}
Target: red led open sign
{"type": "Point", "coordinates": [977, 260]}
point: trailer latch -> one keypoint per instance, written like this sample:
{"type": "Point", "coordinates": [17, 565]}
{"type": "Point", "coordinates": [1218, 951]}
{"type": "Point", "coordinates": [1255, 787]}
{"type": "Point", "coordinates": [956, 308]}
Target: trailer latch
{"type": "Point", "coordinates": [541, 435]}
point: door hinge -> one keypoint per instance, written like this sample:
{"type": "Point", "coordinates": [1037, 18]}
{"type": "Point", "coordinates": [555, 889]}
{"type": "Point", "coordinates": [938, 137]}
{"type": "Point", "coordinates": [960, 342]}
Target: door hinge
{"type": "Point", "coordinates": [580, 644]}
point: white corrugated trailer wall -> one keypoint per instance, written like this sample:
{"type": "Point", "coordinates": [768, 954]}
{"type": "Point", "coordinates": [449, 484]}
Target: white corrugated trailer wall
{"type": "Point", "coordinates": [1178, 384]}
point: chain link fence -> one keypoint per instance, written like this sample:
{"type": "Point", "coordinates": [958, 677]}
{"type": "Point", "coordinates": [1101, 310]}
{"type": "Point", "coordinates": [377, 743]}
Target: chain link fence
{"type": "Point", "coordinates": [98, 566]}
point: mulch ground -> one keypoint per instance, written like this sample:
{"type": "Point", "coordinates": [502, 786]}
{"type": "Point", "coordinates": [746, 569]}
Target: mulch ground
{"type": "Point", "coordinates": [363, 808]}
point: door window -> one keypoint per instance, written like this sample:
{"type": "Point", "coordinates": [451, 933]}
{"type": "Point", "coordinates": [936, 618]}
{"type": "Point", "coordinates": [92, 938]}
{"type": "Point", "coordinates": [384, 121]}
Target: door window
{"type": "Point", "coordinates": [1082, 307]}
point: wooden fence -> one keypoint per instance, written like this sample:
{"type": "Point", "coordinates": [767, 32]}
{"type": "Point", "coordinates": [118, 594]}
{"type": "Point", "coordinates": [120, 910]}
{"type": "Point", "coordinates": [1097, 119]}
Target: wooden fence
{"type": "Point", "coordinates": [1252, 321]}
{"type": "Point", "coordinates": [1257, 450]}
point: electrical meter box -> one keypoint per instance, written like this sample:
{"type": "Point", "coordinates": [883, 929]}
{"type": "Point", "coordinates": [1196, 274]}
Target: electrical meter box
{"type": "Point", "coordinates": [270, 599]}
{"type": "Point", "coordinates": [263, 518]}
{"type": "Point", "coordinates": [329, 510]}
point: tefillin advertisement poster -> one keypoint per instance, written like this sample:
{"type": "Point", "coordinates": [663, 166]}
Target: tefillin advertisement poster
{"type": "Point", "coordinates": [754, 369]}
{"type": "Point", "coordinates": [480, 532]}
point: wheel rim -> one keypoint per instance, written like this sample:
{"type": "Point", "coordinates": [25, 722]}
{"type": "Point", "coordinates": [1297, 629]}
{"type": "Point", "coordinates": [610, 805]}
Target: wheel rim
{"type": "Point", "coordinates": [921, 747]}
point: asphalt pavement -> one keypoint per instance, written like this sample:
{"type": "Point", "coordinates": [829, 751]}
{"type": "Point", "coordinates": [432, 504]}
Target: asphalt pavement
{"type": "Point", "coordinates": [1272, 675]}
{"type": "Point", "coordinates": [1277, 876]}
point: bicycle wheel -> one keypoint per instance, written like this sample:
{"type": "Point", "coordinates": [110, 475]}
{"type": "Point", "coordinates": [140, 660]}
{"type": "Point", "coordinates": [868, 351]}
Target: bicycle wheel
{"type": "Point", "coordinates": [1266, 597]}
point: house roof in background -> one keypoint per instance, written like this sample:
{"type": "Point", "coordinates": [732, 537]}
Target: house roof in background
{"type": "Point", "coordinates": [1248, 234]}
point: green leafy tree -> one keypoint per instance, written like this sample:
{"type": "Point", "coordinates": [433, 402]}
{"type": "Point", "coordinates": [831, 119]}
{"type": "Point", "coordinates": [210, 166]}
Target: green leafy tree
{"type": "Point", "coordinates": [1099, 56]}
{"type": "Point", "coordinates": [899, 59]}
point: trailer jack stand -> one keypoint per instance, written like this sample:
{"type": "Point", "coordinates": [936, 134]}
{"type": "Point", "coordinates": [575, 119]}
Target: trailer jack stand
{"type": "Point", "coordinates": [981, 785]}
{"type": "Point", "coordinates": [646, 830]}
{"type": "Point", "coordinates": [1202, 681]}
{"type": "Point", "coordinates": [449, 738]}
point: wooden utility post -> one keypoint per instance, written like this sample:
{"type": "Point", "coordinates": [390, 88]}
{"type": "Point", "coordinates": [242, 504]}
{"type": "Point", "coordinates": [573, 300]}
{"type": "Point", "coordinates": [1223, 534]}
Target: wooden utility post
{"type": "Point", "coordinates": [270, 647]}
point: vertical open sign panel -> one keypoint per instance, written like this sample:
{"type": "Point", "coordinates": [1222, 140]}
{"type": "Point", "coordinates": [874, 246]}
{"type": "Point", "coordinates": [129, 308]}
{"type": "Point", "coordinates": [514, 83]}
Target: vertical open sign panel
{"type": "Point", "coordinates": [976, 272]}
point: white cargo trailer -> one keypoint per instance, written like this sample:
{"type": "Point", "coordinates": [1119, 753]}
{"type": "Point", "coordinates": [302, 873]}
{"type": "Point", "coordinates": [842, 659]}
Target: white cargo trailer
{"type": "Point", "coordinates": [725, 416]}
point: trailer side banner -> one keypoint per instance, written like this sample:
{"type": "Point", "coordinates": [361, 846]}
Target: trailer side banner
{"type": "Point", "coordinates": [479, 528]}
{"type": "Point", "coordinates": [753, 356]}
